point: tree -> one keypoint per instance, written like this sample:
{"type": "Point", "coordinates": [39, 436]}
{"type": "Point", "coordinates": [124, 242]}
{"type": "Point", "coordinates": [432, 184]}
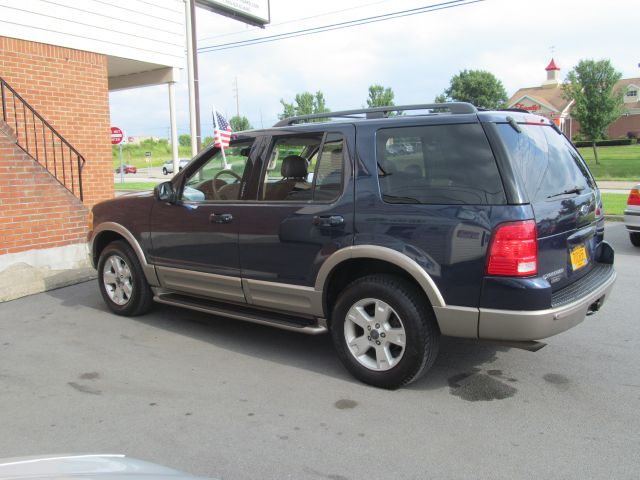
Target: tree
{"type": "Point", "coordinates": [207, 141]}
{"type": "Point", "coordinates": [380, 96]}
{"type": "Point", "coordinates": [306, 103]}
{"type": "Point", "coordinates": [478, 87]}
{"type": "Point", "coordinates": [590, 85]}
{"type": "Point", "coordinates": [239, 123]}
{"type": "Point", "coordinates": [184, 140]}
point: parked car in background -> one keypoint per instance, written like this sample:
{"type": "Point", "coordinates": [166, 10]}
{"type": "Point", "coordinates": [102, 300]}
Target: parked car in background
{"type": "Point", "coordinates": [632, 215]}
{"type": "Point", "coordinates": [167, 168]}
{"type": "Point", "coordinates": [127, 169]}
{"type": "Point", "coordinates": [488, 227]}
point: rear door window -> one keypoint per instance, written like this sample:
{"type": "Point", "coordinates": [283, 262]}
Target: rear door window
{"type": "Point", "coordinates": [438, 164]}
{"type": "Point", "coordinates": [546, 161]}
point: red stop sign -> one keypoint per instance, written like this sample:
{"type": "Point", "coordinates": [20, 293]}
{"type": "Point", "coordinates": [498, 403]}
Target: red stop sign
{"type": "Point", "coordinates": [116, 135]}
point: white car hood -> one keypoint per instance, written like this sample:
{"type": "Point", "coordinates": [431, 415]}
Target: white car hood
{"type": "Point", "coordinates": [101, 466]}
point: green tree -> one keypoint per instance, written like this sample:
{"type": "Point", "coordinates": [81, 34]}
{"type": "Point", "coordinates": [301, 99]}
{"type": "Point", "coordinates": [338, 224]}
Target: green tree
{"type": "Point", "coordinates": [184, 140]}
{"type": "Point", "coordinates": [239, 123]}
{"type": "Point", "coordinates": [207, 140]}
{"type": "Point", "coordinates": [305, 103]}
{"type": "Point", "coordinates": [590, 85]}
{"type": "Point", "coordinates": [478, 87]}
{"type": "Point", "coordinates": [380, 96]}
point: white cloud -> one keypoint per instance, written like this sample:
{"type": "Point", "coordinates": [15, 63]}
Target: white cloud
{"type": "Point", "coordinates": [415, 55]}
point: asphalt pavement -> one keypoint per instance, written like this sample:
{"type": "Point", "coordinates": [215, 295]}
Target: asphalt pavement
{"type": "Point", "coordinates": [232, 400]}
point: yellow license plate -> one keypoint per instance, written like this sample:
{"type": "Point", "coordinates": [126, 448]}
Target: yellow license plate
{"type": "Point", "coordinates": [579, 257]}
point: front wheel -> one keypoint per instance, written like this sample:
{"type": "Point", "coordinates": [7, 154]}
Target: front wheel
{"type": "Point", "coordinates": [122, 282]}
{"type": "Point", "coordinates": [635, 238]}
{"type": "Point", "coordinates": [164, 171]}
{"type": "Point", "coordinates": [384, 331]}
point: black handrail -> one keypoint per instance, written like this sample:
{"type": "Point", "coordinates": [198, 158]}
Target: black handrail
{"type": "Point", "coordinates": [73, 181]}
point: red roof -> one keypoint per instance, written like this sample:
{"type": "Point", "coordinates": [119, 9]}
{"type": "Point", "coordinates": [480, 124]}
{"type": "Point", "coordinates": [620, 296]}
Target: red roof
{"type": "Point", "coordinates": [552, 66]}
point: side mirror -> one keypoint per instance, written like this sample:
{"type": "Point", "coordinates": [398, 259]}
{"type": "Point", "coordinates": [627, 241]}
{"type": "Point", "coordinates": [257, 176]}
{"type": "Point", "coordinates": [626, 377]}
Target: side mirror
{"type": "Point", "coordinates": [165, 192]}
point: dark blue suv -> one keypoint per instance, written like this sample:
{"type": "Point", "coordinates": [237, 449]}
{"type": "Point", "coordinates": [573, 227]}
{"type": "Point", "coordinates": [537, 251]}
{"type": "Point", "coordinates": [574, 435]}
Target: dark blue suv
{"type": "Point", "coordinates": [388, 231]}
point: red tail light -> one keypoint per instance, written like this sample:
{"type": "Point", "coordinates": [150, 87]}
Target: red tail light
{"type": "Point", "coordinates": [514, 250]}
{"type": "Point", "coordinates": [634, 197]}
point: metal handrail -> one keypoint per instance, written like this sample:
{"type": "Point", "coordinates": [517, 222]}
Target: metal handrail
{"type": "Point", "coordinates": [381, 112]}
{"type": "Point", "coordinates": [38, 149]}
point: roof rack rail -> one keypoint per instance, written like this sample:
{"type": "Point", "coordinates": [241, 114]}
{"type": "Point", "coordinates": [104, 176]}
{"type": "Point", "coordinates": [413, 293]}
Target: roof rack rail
{"type": "Point", "coordinates": [520, 110]}
{"type": "Point", "coordinates": [380, 112]}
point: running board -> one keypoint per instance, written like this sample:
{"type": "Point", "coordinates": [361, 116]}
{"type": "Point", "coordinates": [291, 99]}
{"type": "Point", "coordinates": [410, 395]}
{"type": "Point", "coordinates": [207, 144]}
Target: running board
{"type": "Point", "coordinates": [238, 312]}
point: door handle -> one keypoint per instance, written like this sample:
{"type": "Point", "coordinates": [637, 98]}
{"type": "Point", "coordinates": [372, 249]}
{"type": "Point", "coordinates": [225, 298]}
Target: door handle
{"type": "Point", "coordinates": [221, 218]}
{"type": "Point", "coordinates": [328, 220]}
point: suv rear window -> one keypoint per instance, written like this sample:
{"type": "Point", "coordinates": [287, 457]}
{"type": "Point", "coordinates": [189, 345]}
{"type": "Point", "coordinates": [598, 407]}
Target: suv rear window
{"type": "Point", "coordinates": [438, 164]}
{"type": "Point", "coordinates": [548, 164]}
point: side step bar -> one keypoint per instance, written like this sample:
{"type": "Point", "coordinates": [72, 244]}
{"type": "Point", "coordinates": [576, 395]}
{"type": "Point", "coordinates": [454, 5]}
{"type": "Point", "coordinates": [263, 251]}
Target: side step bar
{"type": "Point", "coordinates": [238, 312]}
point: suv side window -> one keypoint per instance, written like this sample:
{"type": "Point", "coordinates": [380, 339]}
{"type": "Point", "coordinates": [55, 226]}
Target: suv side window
{"type": "Point", "coordinates": [213, 182]}
{"type": "Point", "coordinates": [438, 164]}
{"type": "Point", "coordinates": [546, 161]}
{"type": "Point", "coordinates": [307, 167]}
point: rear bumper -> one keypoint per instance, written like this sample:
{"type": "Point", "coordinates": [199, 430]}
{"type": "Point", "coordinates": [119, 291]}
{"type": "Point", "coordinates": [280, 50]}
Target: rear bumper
{"type": "Point", "coordinates": [567, 312]}
{"type": "Point", "coordinates": [632, 219]}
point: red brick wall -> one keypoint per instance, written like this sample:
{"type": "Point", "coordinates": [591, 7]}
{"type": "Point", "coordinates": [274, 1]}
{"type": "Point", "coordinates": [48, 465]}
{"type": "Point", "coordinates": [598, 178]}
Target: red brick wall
{"type": "Point", "coordinates": [35, 210]}
{"type": "Point", "coordinates": [69, 88]}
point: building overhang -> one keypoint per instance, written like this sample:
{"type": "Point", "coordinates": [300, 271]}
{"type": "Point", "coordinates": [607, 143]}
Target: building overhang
{"type": "Point", "coordinates": [126, 73]}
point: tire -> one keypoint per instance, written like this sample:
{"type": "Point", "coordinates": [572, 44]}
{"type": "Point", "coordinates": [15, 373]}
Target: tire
{"type": "Point", "coordinates": [386, 364]}
{"type": "Point", "coordinates": [635, 238]}
{"type": "Point", "coordinates": [122, 283]}
{"type": "Point", "coordinates": [164, 171]}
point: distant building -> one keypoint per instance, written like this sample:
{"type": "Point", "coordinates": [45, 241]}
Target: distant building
{"type": "Point", "coordinates": [547, 100]}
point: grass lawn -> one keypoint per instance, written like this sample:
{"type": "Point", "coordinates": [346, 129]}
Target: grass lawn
{"type": "Point", "coordinates": [614, 203]}
{"type": "Point", "coordinates": [135, 186]}
{"type": "Point", "coordinates": [616, 163]}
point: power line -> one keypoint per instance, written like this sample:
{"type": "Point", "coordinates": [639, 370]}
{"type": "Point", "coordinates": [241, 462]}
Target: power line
{"type": "Point", "coordinates": [296, 20]}
{"type": "Point", "coordinates": [341, 25]}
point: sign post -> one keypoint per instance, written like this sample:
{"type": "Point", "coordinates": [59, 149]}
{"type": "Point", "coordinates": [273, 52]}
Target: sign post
{"type": "Point", "coordinates": [116, 139]}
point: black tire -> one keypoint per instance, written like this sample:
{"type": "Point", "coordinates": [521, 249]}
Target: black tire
{"type": "Point", "coordinates": [411, 312]}
{"type": "Point", "coordinates": [635, 238]}
{"type": "Point", "coordinates": [140, 297]}
{"type": "Point", "coordinates": [164, 171]}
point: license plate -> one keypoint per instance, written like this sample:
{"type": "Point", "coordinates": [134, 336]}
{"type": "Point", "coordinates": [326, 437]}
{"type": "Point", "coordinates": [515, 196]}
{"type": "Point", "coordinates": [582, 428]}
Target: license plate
{"type": "Point", "coordinates": [579, 257]}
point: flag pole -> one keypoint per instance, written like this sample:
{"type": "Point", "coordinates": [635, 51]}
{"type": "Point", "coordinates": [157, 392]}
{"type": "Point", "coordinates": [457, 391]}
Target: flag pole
{"type": "Point", "coordinates": [218, 138]}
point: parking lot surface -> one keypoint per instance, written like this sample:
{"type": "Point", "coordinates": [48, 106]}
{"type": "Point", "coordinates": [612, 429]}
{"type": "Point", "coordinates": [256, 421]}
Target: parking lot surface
{"type": "Point", "coordinates": [231, 400]}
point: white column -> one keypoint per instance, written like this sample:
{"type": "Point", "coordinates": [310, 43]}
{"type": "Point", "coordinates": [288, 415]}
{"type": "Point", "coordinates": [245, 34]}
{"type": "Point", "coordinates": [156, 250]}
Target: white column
{"type": "Point", "coordinates": [192, 91]}
{"type": "Point", "coordinates": [174, 127]}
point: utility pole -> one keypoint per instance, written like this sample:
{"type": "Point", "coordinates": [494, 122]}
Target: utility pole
{"type": "Point", "coordinates": [192, 69]}
{"type": "Point", "coordinates": [237, 95]}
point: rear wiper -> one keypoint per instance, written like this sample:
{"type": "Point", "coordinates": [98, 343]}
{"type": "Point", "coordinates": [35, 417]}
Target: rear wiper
{"type": "Point", "coordinates": [567, 192]}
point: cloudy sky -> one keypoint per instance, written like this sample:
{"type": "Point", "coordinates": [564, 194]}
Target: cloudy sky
{"type": "Point", "coordinates": [415, 55]}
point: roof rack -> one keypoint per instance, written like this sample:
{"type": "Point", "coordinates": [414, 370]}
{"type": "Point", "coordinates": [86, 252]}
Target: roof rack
{"type": "Point", "coordinates": [381, 112]}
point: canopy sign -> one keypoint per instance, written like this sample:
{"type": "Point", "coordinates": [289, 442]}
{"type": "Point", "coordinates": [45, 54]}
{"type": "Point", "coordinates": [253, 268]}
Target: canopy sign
{"type": "Point", "coordinates": [253, 12]}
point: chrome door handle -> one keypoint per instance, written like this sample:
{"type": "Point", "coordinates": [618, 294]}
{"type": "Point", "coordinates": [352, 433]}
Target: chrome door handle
{"type": "Point", "coordinates": [221, 218]}
{"type": "Point", "coordinates": [328, 220]}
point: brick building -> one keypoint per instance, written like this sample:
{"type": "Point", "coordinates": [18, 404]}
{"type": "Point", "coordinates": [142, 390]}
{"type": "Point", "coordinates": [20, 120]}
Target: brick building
{"type": "Point", "coordinates": [547, 100]}
{"type": "Point", "coordinates": [58, 63]}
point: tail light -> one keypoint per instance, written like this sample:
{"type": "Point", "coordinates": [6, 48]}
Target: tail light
{"type": "Point", "coordinates": [634, 197]}
{"type": "Point", "coordinates": [514, 250]}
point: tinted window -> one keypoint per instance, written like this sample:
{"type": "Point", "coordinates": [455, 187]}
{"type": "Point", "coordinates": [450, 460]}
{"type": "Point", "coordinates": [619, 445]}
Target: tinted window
{"type": "Point", "coordinates": [546, 161]}
{"type": "Point", "coordinates": [216, 181]}
{"type": "Point", "coordinates": [307, 167]}
{"type": "Point", "coordinates": [439, 164]}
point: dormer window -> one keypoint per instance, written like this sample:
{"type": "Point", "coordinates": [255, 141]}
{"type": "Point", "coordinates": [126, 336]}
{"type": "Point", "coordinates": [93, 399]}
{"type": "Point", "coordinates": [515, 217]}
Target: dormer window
{"type": "Point", "coordinates": [632, 93]}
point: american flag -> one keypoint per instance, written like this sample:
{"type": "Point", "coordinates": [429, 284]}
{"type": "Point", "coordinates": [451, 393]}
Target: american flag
{"type": "Point", "coordinates": [222, 131]}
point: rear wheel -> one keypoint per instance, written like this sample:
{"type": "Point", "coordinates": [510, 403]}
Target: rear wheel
{"type": "Point", "coordinates": [164, 171]}
{"type": "Point", "coordinates": [121, 280]}
{"type": "Point", "coordinates": [384, 331]}
{"type": "Point", "coordinates": [635, 238]}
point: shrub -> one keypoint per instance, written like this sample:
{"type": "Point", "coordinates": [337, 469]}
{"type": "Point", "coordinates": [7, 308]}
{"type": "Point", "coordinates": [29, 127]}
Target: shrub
{"type": "Point", "coordinates": [606, 143]}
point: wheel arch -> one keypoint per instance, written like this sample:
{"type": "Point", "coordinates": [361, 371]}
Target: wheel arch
{"type": "Point", "coordinates": [108, 232]}
{"type": "Point", "coordinates": [350, 263]}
